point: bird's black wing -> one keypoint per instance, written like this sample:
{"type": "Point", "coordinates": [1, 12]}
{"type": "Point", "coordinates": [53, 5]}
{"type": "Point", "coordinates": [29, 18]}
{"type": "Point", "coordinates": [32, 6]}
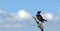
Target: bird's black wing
{"type": "Point", "coordinates": [42, 19]}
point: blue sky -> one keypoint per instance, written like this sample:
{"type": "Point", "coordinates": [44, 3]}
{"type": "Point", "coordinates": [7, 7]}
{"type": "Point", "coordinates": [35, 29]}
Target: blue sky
{"type": "Point", "coordinates": [32, 6]}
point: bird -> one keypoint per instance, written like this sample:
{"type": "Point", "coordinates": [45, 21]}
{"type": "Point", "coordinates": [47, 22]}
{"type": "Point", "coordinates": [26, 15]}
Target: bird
{"type": "Point", "coordinates": [39, 17]}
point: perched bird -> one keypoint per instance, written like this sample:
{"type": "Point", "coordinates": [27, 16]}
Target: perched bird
{"type": "Point", "coordinates": [39, 20]}
{"type": "Point", "coordinates": [39, 17]}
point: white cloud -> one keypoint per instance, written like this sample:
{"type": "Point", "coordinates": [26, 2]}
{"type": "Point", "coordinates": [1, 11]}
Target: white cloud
{"type": "Point", "coordinates": [23, 15]}
{"type": "Point", "coordinates": [49, 16]}
{"type": "Point", "coordinates": [53, 20]}
{"type": "Point", "coordinates": [14, 20]}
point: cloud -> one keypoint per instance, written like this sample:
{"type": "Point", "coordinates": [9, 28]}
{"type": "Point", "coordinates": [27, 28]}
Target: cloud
{"type": "Point", "coordinates": [23, 15]}
{"type": "Point", "coordinates": [50, 16]}
{"type": "Point", "coordinates": [53, 20]}
{"type": "Point", "coordinates": [13, 20]}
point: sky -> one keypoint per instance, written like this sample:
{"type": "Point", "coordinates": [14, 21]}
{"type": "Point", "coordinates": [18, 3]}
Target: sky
{"type": "Point", "coordinates": [10, 13]}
